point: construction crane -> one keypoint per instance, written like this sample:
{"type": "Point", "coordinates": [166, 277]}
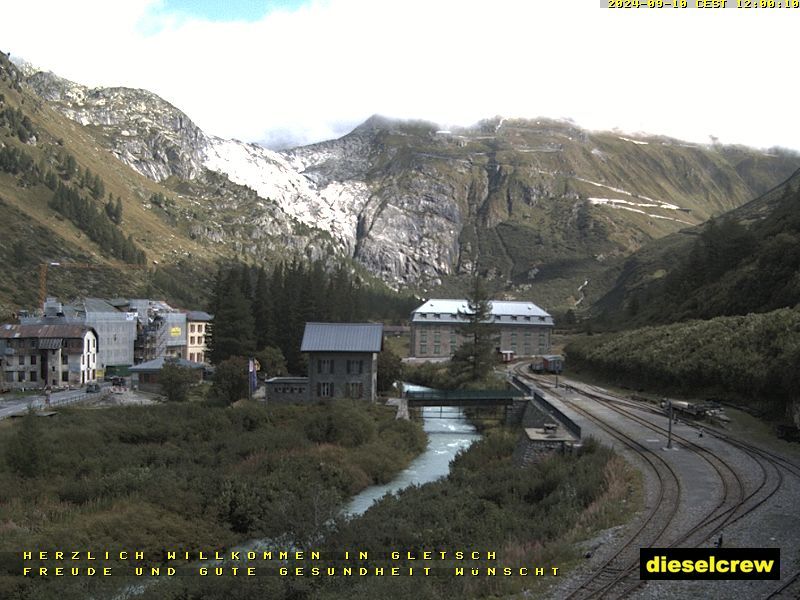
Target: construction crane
{"type": "Point", "coordinates": [43, 267]}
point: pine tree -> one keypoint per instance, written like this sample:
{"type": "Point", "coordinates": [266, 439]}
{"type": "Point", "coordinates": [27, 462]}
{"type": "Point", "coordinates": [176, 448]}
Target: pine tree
{"type": "Point", "coordinates": [262, 311]}
{"type": "Point", "coordinates": [232, 332]}
{"type": "Point", "coordinates": [475, 358]}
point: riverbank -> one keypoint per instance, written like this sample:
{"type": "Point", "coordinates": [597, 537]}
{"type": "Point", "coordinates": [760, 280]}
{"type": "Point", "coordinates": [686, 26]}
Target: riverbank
{"type": "Point", "coordinates": [520, 519]}
{"type": "Point", "coordinates": [192, 476]}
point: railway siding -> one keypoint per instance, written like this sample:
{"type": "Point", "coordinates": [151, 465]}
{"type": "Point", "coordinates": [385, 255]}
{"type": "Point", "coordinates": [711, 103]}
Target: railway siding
{"type": "Point", "coordinates": [724, 487]}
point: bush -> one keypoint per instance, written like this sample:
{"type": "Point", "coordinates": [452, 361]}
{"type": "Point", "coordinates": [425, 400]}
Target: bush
{"type": "Point", "coordinates": [175, 381]}
{"type": "Point", "coordinates": [231, 380]}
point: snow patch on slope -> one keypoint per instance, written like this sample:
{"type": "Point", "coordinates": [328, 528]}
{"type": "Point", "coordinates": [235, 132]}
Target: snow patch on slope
{"type": "Point", "coordinates": [620, 204]}
{"type": "Point", "coordinates": [333, 207]}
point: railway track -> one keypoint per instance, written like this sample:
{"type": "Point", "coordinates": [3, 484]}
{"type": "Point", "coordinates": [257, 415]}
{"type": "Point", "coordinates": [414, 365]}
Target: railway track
{"type": "Point", "coordinates": [618, 576]}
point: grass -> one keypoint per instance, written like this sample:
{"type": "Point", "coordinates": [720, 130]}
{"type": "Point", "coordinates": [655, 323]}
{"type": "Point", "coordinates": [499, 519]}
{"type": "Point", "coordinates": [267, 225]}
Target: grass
{"type": "Point", "coordinates": [399, 344]}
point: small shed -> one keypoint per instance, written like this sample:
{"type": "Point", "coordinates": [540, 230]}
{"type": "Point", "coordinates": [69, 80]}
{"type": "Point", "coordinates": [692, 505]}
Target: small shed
{"type": "Point", "coordinates": [145, 375]}
{"type": "Point", "coordinates": [287, 390]}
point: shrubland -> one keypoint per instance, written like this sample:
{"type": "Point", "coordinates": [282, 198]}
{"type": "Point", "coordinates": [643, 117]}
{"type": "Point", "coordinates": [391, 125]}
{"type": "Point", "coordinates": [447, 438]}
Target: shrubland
{"type": "Point", "coordinates": [185, 475]}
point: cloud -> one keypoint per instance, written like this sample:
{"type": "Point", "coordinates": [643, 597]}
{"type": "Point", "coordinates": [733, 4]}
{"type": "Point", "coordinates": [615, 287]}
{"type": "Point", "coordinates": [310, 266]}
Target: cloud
{"type": "Point", "coordinates": [300, 74]}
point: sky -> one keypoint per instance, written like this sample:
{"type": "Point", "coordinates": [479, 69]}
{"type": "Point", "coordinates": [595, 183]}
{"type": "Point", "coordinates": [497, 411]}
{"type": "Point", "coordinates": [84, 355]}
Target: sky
{"type": "Point", "coordinates": [296, 71]}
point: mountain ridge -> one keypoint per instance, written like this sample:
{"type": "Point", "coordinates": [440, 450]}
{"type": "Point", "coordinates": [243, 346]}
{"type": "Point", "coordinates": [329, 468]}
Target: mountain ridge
{"type": "Point", "coordinates": [537, 205]}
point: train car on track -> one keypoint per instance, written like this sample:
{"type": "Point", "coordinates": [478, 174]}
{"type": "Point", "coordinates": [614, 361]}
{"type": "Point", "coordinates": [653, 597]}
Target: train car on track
{"type": "Point", "coordinates": [548, 363]}
{"type": "Point", "coordinates": [696, 410]}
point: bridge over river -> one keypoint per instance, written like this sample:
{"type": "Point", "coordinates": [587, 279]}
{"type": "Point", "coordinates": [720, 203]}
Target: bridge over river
{"type": "Point", "coordinates": [463, 398]}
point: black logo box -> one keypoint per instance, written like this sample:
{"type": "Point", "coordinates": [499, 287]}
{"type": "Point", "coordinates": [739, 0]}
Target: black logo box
{"type": "Point", "coordinates": [689, 561]}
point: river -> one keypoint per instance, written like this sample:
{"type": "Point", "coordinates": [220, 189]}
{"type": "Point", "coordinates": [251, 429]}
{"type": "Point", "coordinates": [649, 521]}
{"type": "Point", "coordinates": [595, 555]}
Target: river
{"type": "Point", "coordinates": [447, 434]}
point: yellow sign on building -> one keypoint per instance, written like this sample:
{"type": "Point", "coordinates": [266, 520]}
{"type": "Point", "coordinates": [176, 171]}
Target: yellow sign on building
{"type": "Point", "coordinates": [175, 332]}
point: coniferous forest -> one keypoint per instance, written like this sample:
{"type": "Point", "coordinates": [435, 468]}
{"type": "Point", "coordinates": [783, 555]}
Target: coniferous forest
{"type": "Point", "coordinates": [255, 309]}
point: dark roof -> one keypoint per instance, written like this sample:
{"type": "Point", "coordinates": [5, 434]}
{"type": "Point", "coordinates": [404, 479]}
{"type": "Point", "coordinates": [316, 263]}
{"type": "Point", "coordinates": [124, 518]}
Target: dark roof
{"type": "Point", "coordinates": [157, 364]}
{"type": "Point", "coordinates": [198, 315]}
{"type": "Point", "coordinates": [59, 330]}
{"type": "Point", "coordinates": [95, 305]}
{"type": "Point", "coordinates": [342, 337]}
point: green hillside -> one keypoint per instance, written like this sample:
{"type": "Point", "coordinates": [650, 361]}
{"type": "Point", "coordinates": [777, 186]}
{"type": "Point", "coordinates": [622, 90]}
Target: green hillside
{"type": "Point", "coordinates": [747, 260]}
{"type": "Point", "coordinates": [751, 360]}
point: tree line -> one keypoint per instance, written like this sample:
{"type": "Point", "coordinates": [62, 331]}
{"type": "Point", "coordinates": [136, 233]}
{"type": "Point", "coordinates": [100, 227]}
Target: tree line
{"type": "Point", "coordinates": [255, 309]}
{"type": "Point", "coordinates": [97, 224]}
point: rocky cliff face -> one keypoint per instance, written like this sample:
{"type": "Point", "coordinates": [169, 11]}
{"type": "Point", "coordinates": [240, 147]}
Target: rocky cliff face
{"type": "Point", "coordinates": [521, 200]}
{"type": "Point", "coordinates": [141, 129]}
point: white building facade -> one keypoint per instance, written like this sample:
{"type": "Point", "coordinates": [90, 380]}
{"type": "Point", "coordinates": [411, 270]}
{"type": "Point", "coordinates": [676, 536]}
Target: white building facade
{"type": "Point", "coordinates": [38, 356]}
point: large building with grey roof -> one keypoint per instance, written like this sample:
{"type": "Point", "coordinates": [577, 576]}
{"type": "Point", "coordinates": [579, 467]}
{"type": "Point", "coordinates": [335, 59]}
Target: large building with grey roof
{"type": "Point", "coordinates": [115, 328]}
{"type": "Point", "coordinates": [522, 328]}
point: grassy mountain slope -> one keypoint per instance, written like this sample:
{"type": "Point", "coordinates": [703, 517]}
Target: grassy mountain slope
{"type": "Point", "coordinates": [747, 260]}
{"type": "Point", "coordinates": [183, 227]}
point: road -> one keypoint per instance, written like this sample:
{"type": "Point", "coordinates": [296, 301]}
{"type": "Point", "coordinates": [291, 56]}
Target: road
{"type": "Point", "coordinates": [17, 406]}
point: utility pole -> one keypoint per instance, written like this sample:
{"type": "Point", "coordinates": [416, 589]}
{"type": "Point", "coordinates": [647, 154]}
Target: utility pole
{"type": "Point", "coordinates": [669, 429]}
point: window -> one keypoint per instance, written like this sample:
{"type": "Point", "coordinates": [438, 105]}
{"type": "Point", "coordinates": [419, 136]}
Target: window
{"type": "Point", "coordinates": [33, 361]}
{"type": "Point", "coordinates": [423, 348]}
{"type": "Point", "coordinates": [65, 377]}
{"type": "Point", "coordinates": [64, 359]}
{"type": "Point", "coordinates": [191, 340]}
{"type": "Point", "coordinates": [21, 360]}
{"type": "Point", "coordinates": [191, 356]}
{"type": "Point", "coordinates": [437, 349]}
{"type": "Point", "coordinates": [199, 357]}
{"type": "Point", "coordinates": [324, 365]}
{"type": "Point", "coordinates": [325, 390]}
{"type": "Point", "coordinates": [435, 315]}
{"type": "Point", "coordinates": [437, 337]}
{"type": "Point", "coordinates": [33, 376]}
{"type": "Point", "coordinates": [191, 328]}
{"type": "Point", "coordinates": [355, 366]}
{"type": "Point", "coordinates": [355, 390]}
{"type": "Point", "coordinates": [200, 340]}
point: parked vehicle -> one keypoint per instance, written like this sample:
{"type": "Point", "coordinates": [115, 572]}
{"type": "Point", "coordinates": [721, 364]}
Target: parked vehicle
{"type": "Point", "coordinates": [93, 388]}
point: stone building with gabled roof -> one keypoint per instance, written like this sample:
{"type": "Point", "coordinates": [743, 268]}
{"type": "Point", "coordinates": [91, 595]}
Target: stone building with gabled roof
{"type": "Point", "coordinates": [343, 359]}
{"type": "Point", "coordinates": [41, 355]}
{"type": "Point", "coordinates": [342, 363]}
